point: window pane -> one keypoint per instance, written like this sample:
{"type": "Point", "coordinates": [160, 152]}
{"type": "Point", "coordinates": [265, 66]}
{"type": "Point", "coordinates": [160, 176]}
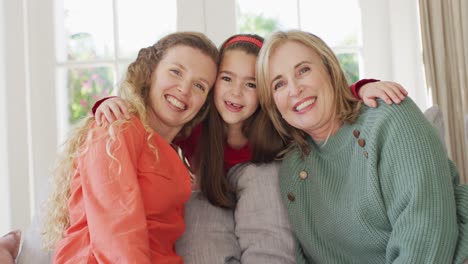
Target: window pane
{"type": "Point", "coordinates": [336, 26]}
{"type": "Point", "coordinates": [122, 71]}
{"type": "Point", "coordinates": [350, 65]}
{"type": "Point", "coordinates": [143, 22]}
{"type": "Point", "coordinates": [265, 16]}
{"type": "Point", "coordinates": [86, 86]}
{"type": "Point", "coordinates": [86, 29]}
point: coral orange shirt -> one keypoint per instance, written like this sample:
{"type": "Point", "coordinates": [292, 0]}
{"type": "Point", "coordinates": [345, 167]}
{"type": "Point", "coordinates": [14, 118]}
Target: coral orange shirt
{"type": "Point", "coordinates": [127, 208]}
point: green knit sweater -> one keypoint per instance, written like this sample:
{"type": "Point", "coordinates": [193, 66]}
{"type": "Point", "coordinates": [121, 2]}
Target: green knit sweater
{"type": "Point", "coordinates": [379, 191]}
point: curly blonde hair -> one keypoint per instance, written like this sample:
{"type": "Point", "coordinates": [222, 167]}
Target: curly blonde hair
{"type": "Point", "coordinates": [135, 89]}
{"type": "Point", "coordinates": [347, 107]}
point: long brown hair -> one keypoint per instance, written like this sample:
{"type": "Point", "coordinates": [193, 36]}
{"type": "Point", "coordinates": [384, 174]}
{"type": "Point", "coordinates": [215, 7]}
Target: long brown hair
{"type": "Point", "coordinates": [264, 141]}
{"type": "Point", "coordinates": [135, 89]}
{"type": "Point", "coordinates": [347, 107]}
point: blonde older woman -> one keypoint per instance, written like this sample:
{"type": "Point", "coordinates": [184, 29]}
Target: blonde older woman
{"type": "Point", "coordinates": [360, 185]}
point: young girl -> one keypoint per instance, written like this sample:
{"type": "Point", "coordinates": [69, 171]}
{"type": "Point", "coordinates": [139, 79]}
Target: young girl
{"type": "Point", "coordinates": [120, 189]}
{"type": "Point", "coordinates": [257, 230]}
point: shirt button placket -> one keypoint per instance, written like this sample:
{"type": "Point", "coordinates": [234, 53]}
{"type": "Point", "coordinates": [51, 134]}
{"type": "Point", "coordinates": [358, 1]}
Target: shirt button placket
{"type": "Point", "coordinates": [361, 141]}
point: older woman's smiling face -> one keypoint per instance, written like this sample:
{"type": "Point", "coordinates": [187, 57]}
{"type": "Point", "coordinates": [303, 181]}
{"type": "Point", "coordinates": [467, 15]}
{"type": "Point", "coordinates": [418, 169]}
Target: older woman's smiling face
{"type": "Point", "coordinates": [302, 89]}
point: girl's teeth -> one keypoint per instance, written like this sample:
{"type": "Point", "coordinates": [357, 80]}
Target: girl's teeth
{"type": "Point", "coordinates": [235, 105]}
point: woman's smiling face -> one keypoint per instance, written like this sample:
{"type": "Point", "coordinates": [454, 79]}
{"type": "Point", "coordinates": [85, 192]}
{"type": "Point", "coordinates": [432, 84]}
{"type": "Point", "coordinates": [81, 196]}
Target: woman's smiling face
{"type": "Point", "coordinates": [302, 89]}
{"type": "Point", "coordinates": [179, 88]}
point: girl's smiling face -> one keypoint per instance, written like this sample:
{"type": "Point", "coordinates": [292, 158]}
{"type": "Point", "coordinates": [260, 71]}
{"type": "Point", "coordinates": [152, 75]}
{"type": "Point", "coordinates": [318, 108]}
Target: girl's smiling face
{"type": "Point", "coordinates": [235, 93]}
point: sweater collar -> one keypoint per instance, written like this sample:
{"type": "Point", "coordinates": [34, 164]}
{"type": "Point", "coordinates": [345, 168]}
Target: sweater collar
{"type": "Point", "coordinates": [335, 142]}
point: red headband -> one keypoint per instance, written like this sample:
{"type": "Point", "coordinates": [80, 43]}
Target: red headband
{"type": "Point", "coordinates": [252, 40]}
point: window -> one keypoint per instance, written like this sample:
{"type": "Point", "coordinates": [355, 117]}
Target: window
{"type": "Point", "coordinates": [338, 27]}
{"type": "Point", "coordinates": [96, 40]}
{"type": "Point", "coordinates": [265, 16]}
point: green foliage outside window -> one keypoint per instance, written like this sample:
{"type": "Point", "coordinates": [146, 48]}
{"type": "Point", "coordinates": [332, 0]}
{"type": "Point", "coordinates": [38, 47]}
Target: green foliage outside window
{"type": "Point", "coordinates": [257, 24]}
{"type": "Point", "coordinates": [350, 66]}
{"type": "Point", "coordinates": [349, 61]}
{"type": "Point", "coordinates": [85, 85]}
{"type": "Point", "coordinates": [263, 26]}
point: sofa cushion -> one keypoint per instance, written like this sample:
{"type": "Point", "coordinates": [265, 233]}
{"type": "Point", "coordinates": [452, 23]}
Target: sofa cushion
{"type": "Point", "coordinates": [435, 117]}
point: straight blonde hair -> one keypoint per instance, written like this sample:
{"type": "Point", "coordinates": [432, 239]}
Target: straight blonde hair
{"type": "Point", "coordinates": [347, 107]}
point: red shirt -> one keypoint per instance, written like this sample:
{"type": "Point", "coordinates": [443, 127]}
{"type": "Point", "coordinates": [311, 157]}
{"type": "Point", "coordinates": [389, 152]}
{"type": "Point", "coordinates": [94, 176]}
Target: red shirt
{"type": "Point", "coordinates": [232, 156]}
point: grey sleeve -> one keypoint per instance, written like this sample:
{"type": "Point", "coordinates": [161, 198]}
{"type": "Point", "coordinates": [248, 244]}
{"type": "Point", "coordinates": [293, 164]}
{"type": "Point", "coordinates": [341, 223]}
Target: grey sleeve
{"type": "Point", "coordinates": [209, 234]}
{"type": "Point", "coordinates": [261, 221]}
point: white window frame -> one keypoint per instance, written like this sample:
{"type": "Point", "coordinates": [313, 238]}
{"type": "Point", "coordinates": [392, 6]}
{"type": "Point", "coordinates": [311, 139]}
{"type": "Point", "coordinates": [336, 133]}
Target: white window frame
{"type": "Point", "coordinates": [392, 45]}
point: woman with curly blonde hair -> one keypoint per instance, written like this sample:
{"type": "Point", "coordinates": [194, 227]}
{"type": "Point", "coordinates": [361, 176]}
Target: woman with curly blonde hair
{"type": "Point", "coordinates": [120, 189]}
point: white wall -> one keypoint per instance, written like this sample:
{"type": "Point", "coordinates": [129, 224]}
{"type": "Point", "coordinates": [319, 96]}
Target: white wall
{"type": "Point", "coordinates": [392, 49]}
{"type": "Point", "coordinates": [42, 94]}
{"type": "Point", "coordinates": [4, 181]}
{"type": "Point", "coordinates": [16, 121]}
{"type": "Point", "coordinates": [28, 125]}
{"type": "Point", "coordinates": [376, 39]}
{"type": "Point", "coordinates": [407, 61]}
{"type": "Point", "coordinates": [218, 19]}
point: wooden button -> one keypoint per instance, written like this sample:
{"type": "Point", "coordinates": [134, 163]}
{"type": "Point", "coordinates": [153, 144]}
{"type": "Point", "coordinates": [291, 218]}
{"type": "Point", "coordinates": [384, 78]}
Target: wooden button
{"type": "Point", "coordinates": [356, 133]}
{"type": "Point", "coordinates": [291, 197]}
{"type": "Point", "coordinates": [303, 175]}
{"type": "Point", "coordinates": [361, 142]}
{"type": "Point", "coordinates": [366, 154]}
